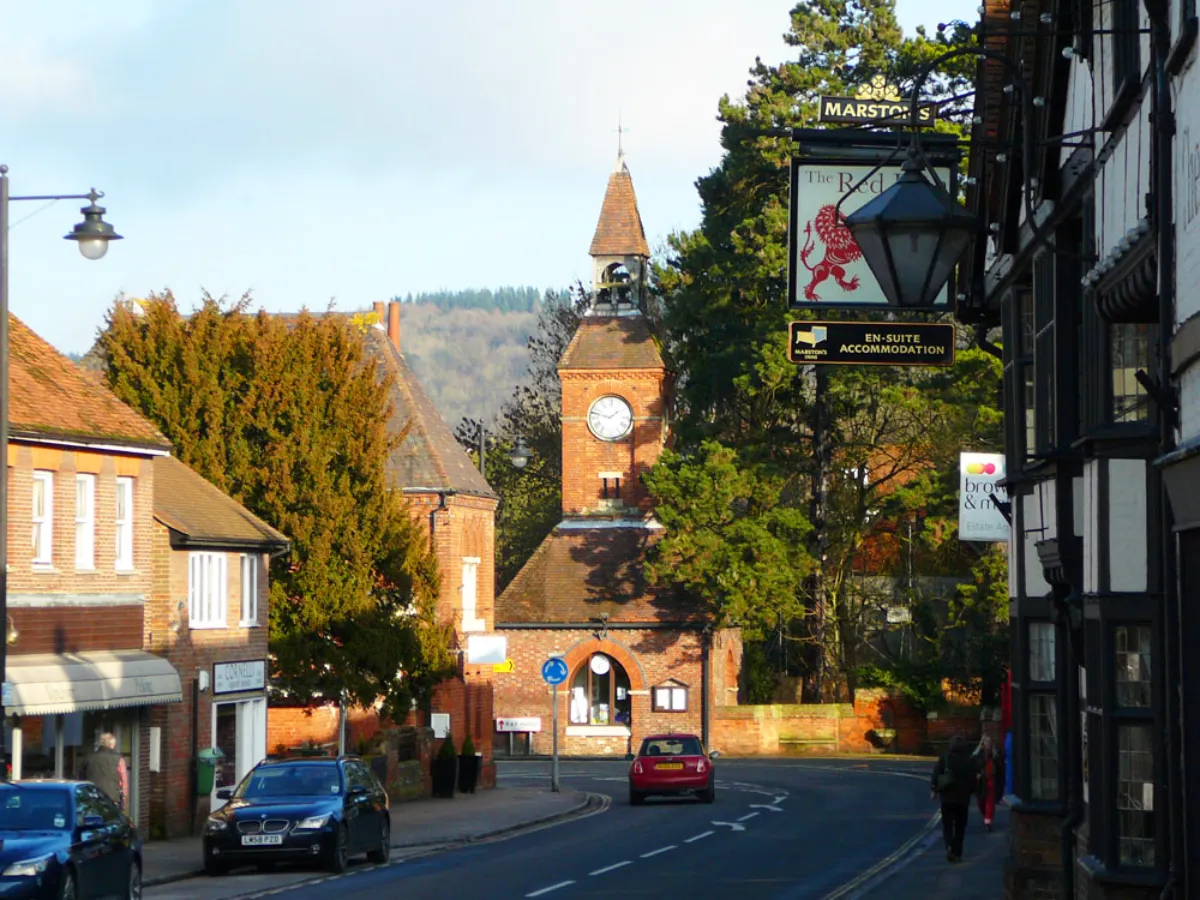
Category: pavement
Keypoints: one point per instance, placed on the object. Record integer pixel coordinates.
(416, 824)
(925, 875)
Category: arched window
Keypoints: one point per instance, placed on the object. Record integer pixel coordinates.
(600, 693)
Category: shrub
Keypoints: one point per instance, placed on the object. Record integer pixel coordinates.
(446, 751)
(468, 747)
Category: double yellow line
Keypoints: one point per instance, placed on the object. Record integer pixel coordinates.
(887, 862)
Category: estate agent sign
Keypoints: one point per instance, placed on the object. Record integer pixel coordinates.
(979, 519)
(871, 343)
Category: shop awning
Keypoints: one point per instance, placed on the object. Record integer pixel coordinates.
(51, 683)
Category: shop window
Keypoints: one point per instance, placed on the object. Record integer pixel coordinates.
(670, 697)
(207, 590)
(1043, 747)
(1135, 795)
(249, 589)
(1129, 351)
(43, 518)
(85, 521)
(1041, 651)
(124, 524)
(600, 693)
(1044, 365)
(1132, 646)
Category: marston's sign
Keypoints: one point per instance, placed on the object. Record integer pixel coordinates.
(877, 103)
(871, 343)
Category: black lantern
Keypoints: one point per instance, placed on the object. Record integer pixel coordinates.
(912, 236)
(93, 233)
(520, 454)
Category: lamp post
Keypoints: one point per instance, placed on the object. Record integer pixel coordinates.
(92, 235)
(519, 455)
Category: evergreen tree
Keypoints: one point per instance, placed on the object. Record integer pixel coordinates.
(285, 415)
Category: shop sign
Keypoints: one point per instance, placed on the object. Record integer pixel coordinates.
(877, 103)
(245, 675)
(825, 265)
(871, 343)
(979, 518)
(519, 724)
(483, 649)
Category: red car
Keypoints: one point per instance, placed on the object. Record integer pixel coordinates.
(672, 764)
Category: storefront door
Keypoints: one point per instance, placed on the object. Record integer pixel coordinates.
(239, 731)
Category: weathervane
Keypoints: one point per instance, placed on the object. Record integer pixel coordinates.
(621, 129)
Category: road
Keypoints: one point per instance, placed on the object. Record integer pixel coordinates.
(779, 829)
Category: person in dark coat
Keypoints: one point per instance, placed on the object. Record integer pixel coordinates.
(105, 768)
(990, 763)
(954, 781)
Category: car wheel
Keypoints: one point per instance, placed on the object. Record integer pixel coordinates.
(134, 891)
(66, 887)
(709, 794)
(340, 857)
(636, 798)
(380, 855)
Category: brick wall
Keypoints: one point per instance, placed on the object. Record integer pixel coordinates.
(166, 633)
(70, 629)
(1034, 866)
(649, 658)
(584, 457)
(289, 727)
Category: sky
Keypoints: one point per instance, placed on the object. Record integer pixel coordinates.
(311, 152)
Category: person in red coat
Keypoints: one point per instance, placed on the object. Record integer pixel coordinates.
(990, 763)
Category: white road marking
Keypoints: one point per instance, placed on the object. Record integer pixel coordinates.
(610, 868)
(779, 799)
(733, 826)
(659, 850)
(769, 806)
(702, 834)
(747, 816)
(553, 887)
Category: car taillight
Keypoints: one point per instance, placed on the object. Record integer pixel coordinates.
(637, 767)
(701, 767)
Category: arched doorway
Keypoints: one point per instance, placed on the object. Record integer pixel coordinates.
(600, 693)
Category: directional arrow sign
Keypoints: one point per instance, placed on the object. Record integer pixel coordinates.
(733, 826)
(766, 806)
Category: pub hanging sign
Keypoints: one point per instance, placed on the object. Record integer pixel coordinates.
(877, 103)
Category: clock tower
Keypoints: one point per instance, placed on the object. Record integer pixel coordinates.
(614, 383)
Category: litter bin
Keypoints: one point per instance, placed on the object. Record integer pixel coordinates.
(206, 769)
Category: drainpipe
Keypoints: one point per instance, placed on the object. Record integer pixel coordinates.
(1163, 119)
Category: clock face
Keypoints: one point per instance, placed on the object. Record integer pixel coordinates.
(610, 418)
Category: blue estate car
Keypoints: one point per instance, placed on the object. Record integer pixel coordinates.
(320, 810)
(67, 841)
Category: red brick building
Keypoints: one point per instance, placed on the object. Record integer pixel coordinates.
(641, 660)
(208, 615)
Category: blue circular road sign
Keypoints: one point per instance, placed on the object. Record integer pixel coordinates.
(554, 670)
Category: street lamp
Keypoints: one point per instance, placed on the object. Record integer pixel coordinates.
(519, 455)
(92, 235)
(912, 236)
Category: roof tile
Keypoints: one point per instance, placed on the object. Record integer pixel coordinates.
(612, 342)
(619, 231)
(190, 504)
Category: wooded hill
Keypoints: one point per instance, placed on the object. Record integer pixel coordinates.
(469, 347)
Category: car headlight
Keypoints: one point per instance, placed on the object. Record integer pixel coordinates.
(312, 823)
(27, 868)
(214, 825)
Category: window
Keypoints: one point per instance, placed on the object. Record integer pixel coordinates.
(470, 594)
(1044, 355)
(611, 489)
(1018, 374)
(124, 524)
(1041, 651)
(43, 518)
(249, 589)
(1043, 747)
(207, 594)
(1129, 350)
(1132, 645)
(1135, 795)
(671, 697)
(85, 521)
(600, 693)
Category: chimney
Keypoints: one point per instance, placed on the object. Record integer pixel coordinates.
(393, 324)
(380, 308)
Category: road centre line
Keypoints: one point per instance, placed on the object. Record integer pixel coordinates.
(611, 868)
(659, 850)
(553, 887)
(697, 837)
(747, 816)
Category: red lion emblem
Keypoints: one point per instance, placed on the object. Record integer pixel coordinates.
(840, 250)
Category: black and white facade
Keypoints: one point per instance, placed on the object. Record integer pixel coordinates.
(1076, 189)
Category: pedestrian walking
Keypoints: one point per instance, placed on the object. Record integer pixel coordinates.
(990, 763)
(954, 782)
(105, 768)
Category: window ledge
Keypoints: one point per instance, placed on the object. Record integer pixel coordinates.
(252, 624)
(126, 572)
(44, 568)
(598, 731)
(206, 626)
(1098, 873)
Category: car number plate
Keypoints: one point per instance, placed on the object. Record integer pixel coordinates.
(662, 766)
(259, 840)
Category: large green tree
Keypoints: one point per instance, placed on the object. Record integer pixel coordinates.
(840, 445)
(287, 416)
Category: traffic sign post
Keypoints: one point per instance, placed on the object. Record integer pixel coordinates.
(554, 673)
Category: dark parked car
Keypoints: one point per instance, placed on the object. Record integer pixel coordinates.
(320, 810)
(67, 841)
